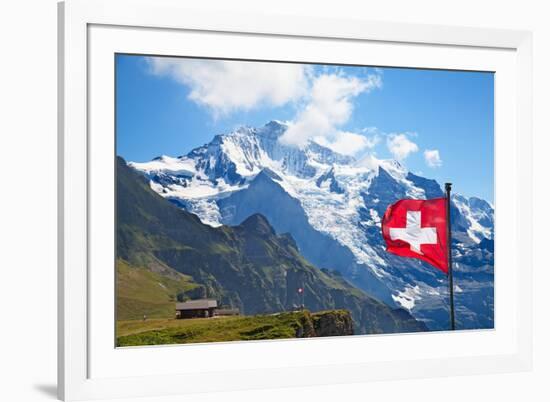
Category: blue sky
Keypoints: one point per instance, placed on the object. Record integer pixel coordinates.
(437, 123)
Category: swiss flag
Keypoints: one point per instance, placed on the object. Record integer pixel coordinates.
(418, 229)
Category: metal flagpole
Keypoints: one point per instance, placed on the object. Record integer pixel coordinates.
(449, 255)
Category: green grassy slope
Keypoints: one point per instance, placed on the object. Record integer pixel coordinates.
(141, 291)
(299, 324)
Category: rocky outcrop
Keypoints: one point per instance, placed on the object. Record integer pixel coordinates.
(333, 323)
(325, 323)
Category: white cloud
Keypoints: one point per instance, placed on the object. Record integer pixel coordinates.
(432, 158)
(347, 143)
(369, 161)
(371, 131)
(227, 86)
(400, 146)
(326, 98)
(328, 107)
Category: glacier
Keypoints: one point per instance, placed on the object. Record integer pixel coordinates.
(332, 206)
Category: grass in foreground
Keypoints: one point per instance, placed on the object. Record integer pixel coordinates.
(143, 292)
(299, 324)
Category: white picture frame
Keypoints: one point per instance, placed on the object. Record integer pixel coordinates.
(89, 365)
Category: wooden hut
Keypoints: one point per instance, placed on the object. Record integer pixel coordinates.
(202, 308)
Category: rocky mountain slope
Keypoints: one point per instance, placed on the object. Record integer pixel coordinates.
(332, 204)
(248, 266)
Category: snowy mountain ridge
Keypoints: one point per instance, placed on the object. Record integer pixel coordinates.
(337, 199)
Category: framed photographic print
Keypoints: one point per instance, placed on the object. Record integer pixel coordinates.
(341, 196)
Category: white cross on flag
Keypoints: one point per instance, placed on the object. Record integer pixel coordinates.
(418, 229)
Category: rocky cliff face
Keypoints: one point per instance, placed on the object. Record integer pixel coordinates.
(325, 323)
(333, 323)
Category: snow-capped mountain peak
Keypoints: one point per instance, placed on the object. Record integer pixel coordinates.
(330, 203)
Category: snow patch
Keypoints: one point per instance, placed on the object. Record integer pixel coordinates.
(408, 297)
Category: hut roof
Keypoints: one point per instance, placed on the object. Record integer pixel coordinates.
(197, 304)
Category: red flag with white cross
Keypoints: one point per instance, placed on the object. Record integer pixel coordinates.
(418, 229)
